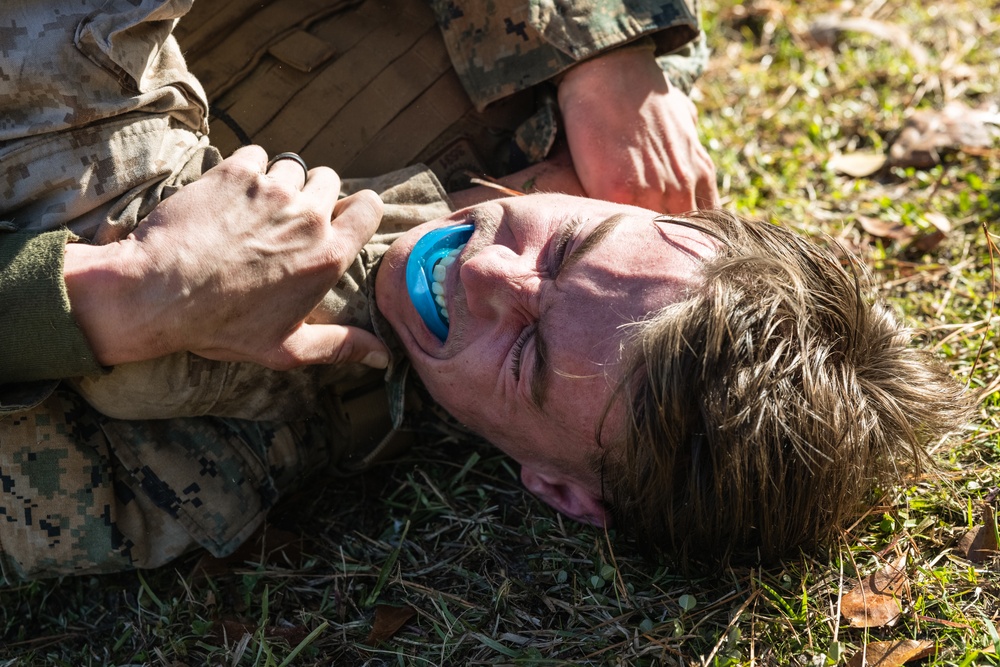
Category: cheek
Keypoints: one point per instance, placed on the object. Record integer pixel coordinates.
(456, 390)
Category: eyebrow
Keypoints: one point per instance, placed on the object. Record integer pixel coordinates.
(541, 372)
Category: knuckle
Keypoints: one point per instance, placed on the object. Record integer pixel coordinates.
(322, 171)
(371, 200)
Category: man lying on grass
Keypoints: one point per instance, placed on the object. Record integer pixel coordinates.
(716, 386)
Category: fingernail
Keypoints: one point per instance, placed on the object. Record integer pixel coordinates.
(376, 359)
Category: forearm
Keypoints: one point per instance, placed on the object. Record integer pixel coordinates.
(555, 174)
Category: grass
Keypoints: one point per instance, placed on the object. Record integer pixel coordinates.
(493, 577)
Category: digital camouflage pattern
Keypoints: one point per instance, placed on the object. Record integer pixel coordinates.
(84, 493)
(504, 46)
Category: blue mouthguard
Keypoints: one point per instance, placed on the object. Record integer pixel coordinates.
(428, 251)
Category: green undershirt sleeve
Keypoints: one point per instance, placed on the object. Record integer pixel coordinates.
(40, 338)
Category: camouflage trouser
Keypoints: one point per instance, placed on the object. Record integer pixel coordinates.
(76, 498)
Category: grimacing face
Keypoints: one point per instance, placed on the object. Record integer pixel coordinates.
(537, 301)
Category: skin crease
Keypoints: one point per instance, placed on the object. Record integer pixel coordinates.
(501, 286)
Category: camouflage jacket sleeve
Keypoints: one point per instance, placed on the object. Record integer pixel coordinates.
(40, 337)
(504, 46)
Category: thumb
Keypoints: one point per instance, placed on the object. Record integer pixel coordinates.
(329, 344)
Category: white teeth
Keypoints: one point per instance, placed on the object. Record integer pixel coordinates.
(438, 274)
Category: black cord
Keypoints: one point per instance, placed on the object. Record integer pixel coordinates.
(231, 123)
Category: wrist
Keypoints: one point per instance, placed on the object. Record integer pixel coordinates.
(102, 284)
(641, 51)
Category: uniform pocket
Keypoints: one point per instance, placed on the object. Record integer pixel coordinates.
(203, 472)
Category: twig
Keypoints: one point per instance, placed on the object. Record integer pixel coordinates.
(725, 633)
(991, 246)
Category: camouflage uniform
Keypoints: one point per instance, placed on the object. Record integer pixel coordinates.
(503, 47)
(100, 119)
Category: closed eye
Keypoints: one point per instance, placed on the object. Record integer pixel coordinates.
(518, 347)
(516, 350)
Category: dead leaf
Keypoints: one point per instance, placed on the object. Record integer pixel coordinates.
(857, 165)
(827, 29)
(957, 126)
(885, 229)
(980, 544)
(388, 621)
(891, 654)
(927, 242)
(873, 603)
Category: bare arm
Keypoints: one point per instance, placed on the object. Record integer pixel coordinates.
(633, 136)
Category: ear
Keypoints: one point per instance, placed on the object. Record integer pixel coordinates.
(568, 496)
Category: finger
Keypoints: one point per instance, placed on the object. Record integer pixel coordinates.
(288, 171)
(707, 194)
(253, 157)
(321, 191)
(329, 344)
(359, 200)
(323, 182)
(706, 189)
(355, 219)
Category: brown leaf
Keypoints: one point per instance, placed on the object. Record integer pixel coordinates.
(886, 230)
(873, 603)
(388, 621)
(956, 126)
(857, 165)
(827, 29)
(980, 544)
(927, 242)
(891, 654)
(279, 547)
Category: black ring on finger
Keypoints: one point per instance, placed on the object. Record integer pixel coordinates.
(289, 156)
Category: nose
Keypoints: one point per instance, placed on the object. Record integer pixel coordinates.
(500, 285)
